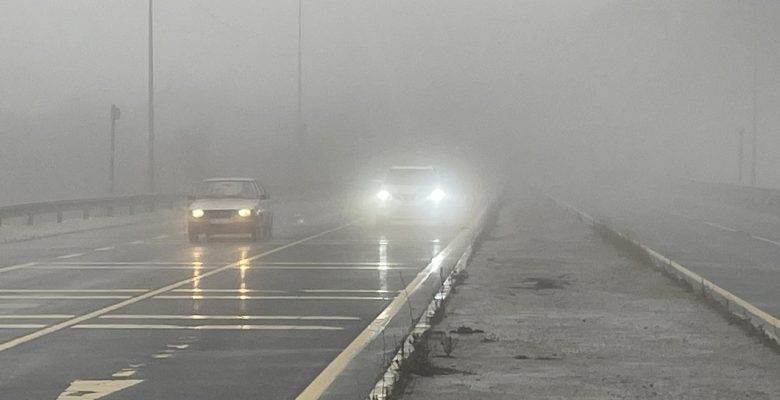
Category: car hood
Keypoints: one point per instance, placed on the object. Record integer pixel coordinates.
(224, 204)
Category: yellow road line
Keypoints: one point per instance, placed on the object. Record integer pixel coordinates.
(105, 310)
(211, 327)
(231, 317)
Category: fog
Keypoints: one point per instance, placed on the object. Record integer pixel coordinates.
(538, 91)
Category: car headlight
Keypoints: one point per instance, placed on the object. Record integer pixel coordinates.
(437, 195)
(244, 212)
(198, 213)
(383, 195)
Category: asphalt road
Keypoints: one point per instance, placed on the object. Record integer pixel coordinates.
(136, 312)
(733, 247)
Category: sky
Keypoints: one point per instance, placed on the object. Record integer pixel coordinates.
(544, 89)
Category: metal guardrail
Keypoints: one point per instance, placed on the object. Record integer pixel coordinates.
(148, 202)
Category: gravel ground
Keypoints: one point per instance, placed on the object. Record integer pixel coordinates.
(565, 316)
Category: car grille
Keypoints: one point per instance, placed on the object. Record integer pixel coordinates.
(220, 213)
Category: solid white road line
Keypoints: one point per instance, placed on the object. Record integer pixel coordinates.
(232, 317)
(105, 310)
(242, 297)
(22, 326)
(719, 226)
(765, 240)
(211, 327)
(37, 316)
(107, 248)
(62, 297)
(73, 290)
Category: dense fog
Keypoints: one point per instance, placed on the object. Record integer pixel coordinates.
(541, 91)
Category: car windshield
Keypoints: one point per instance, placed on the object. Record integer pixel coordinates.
(411, 177)
(227, 189)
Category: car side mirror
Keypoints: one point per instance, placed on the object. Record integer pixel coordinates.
(265, 196)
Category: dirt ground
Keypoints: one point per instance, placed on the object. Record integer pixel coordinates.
(557, 313)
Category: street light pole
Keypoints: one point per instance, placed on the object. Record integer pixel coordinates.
(299, 116)
(740, 155)
(151, 166)
(755, 95)
(114, 117)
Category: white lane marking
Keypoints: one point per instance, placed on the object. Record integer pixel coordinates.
(161, 237)
(211, 327)
(37, 316)
(343, 268)
(124, 373)
(349, 291)
(94, 389)
(22, 326)
(274, 263)
(14, 267)
(765, 240)
(105, 310)
(227, 291)
(111, 267)
(137, 242)
(62, 297)
(232, 317)
(242, 297)
(719, 226)
(73, 290)
(67, 256)
(107, 248)
(131, 263)
(162, 355)
(177, 346)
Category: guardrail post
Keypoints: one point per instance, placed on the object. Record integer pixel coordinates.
(30, 219)
(59, 217)
(86, 213)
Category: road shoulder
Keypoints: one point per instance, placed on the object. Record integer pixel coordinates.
(559, 313)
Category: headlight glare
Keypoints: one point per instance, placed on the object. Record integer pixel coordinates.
(198, 213)
(383, 195)
(244, 212)
(437, 195)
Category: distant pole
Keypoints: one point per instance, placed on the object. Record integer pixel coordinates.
(299, 117)
(151, 166)
(114, 117)
(740, 155)
(755, 96)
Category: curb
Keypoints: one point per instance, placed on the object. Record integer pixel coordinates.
(762, 321)
(388, 383)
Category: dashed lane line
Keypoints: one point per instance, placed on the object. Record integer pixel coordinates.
(105, 310)
(95, 389)
(67, 256)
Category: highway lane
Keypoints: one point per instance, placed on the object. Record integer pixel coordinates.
(735, 248)
(257, 328)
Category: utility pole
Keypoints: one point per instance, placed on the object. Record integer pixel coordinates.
(740, 155)
(755, 94)
(299, 117)
(115, 113)
(151, 167)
